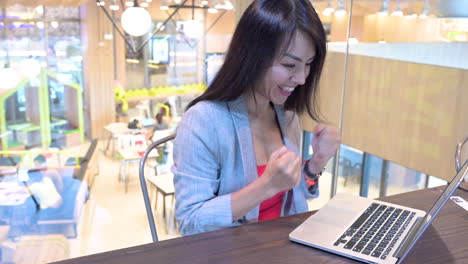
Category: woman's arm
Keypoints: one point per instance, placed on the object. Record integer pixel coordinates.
(325, 142)
(197, 167)
(282, 173)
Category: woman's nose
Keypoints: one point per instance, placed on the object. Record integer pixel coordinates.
(299, 76)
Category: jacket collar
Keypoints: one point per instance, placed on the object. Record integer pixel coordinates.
(240, 117)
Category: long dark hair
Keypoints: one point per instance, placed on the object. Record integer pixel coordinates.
(260, 36)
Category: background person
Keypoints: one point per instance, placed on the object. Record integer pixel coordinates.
(236, 151)
(45, 184)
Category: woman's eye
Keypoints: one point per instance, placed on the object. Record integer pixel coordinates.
(308, 64)
(289, 65)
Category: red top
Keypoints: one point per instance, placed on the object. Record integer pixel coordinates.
(270, 208)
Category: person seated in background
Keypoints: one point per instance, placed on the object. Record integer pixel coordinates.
(45, 184)
(40, 163)
(160, 122)
(135, 124)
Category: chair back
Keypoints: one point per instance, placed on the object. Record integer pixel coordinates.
(458, 153)
(144, 188)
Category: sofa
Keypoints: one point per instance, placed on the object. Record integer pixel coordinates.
(27, 219)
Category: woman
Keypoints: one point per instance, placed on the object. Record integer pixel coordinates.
(236, 151)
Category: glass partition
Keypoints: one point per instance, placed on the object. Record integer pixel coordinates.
(35, 43)
(396, 69)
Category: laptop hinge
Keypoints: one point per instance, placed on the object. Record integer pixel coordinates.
(404, 246)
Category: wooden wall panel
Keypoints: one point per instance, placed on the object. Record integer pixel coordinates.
(98, 69)
(406, 112)
(412, 114)
(330, 91)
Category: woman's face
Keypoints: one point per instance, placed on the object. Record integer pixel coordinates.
(289, 70)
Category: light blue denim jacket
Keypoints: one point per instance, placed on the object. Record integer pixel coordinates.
(214, 157)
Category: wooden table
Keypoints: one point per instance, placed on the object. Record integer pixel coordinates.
(127, 156)
(114, 130)
(446, 241)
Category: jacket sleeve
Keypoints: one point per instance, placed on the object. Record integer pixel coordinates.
(196, 174)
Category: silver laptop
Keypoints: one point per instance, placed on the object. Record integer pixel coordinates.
(367, 230)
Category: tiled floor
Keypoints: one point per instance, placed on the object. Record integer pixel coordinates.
(113, 219)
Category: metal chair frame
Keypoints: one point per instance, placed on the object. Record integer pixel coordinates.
(144, 188)
(458, 152)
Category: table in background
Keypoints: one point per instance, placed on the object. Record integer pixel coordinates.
(267, 242)
(129, 155)
(114, 130)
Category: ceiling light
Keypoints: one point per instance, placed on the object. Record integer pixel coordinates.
(39, 10)
(227, 5)
(398, 11)
(164, 5)
(40, 24)
(340, 11)
(329, 10)
(129, 3)
(144, 4)
(114, 7)
(425, 11)
(411, 15)
(193, 29)
(384, 9)
(136, 21)
(134, 61)
(212, 10)
(54, 24)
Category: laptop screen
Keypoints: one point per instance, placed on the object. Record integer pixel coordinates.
(427, 220)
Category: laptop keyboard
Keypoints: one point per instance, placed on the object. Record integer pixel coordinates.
(376, 231)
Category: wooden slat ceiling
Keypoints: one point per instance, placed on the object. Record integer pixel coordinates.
(361, 7)
(5, 3)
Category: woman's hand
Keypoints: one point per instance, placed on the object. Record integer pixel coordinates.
(283, 171)
(325, 143)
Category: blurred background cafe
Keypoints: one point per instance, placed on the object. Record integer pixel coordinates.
(86, 85)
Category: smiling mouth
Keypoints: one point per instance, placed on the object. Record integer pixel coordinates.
(288, 89)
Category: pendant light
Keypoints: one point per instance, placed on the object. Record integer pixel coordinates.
(136, 21)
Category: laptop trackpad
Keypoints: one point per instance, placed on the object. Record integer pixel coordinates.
(334, 216)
